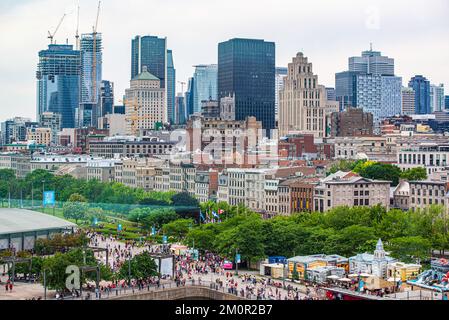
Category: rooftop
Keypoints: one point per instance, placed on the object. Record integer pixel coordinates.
(21, 220)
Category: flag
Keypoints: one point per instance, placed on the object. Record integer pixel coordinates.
(215, 215)
(153, 231)
(220, 211)
(202, 216)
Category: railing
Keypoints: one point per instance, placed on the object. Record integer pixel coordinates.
(131, 291)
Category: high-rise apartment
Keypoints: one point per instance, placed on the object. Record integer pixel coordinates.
(58, 82)
(436, 97)
(246, 70)
(408, 101)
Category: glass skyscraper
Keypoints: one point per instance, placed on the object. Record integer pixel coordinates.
(422, 94)
(171, 87)
(370, 84)
(152, 52)
(205, 78)
(189, 102)
(246, 69)
(91, 76)
(58, 82)
(106, 98)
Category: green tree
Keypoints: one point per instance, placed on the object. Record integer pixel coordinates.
(184, 199)
(410, 249)
(159, 217)
(76, 208)
(178, 228)
(142, 267)
(414, 174)
(382, 171)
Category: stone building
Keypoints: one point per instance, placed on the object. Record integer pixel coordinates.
(303, 105)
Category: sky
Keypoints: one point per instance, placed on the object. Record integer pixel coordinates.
(413, 32)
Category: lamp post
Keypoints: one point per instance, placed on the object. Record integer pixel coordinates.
(236, 262)
(43, 200)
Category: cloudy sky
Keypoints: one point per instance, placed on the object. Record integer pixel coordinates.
(414, 32)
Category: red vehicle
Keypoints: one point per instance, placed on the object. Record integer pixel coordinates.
(228, 265)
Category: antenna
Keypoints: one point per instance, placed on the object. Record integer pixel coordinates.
(77, 36)
(371, 46)
(94, 55)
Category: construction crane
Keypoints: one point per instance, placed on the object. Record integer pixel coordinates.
(77, 36)
(94, 57)
(52, 36)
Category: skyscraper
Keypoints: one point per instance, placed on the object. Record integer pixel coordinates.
(281, 73)
(371, 85)
(246, 69)
(345, 89)
(106, 98)
(151, 52)
(190, 97)
(422, 94)
(408, 101)
(372, 62)
(58, 82)
(436, 97)
(171, 87)
(446, 102)
(303, 105)
(91, 76)
(180, 109)
(144, 103)
(205, 78)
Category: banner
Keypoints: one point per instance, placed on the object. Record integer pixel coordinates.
(49, 198)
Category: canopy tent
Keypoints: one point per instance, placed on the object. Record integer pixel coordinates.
(344, 280)
(333, 277)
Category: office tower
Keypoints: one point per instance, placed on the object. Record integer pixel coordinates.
(171, 87)
(91, 76)
(446, 102)
(144, 103)
(106, 98)
(331, 94)
(53, 121)
(436, 98)
(58, 82)
(372, 62)
(15, 130)
(408, 101)
(151, 52)
(371, 85)
(180, 109)
(190, 97)
(280, 74)
(205, 78)
(422, 94)
(246, 69)
(345, 89)
(303, 105)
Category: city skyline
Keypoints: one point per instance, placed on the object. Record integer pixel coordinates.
(394, 29)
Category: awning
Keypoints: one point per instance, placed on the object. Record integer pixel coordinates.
(333, 277)
(344, 280)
